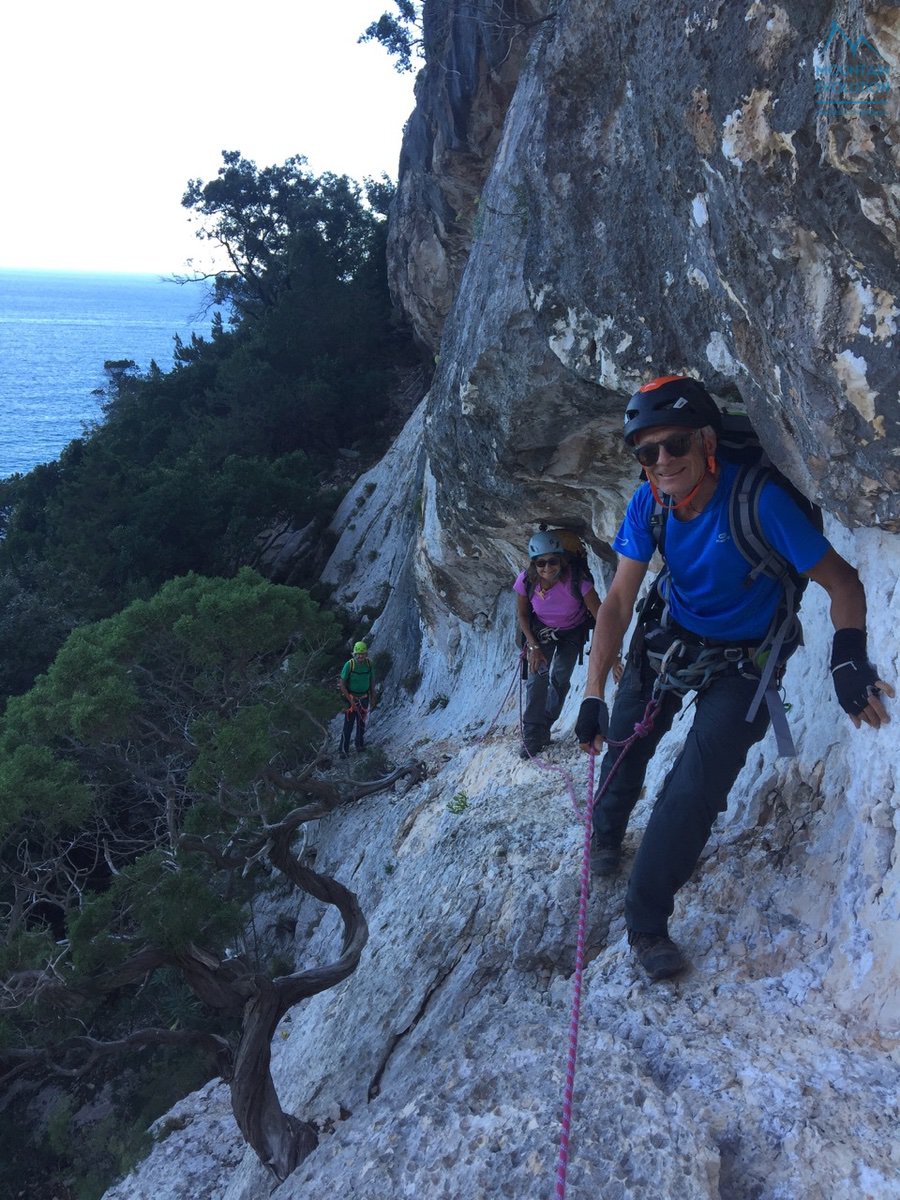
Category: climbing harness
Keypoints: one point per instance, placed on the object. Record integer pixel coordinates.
(641, 729)
(684, 667)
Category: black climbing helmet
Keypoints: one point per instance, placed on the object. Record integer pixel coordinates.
(671, 400)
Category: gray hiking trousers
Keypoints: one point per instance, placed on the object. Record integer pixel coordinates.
(546, 691)
(694, 792)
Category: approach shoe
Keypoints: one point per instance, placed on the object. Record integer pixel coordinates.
(657, 954)
(605, 858)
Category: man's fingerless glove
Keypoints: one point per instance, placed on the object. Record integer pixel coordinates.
(593, 718)
(853, 675)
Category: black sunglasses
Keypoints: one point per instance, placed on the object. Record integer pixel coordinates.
(675, 446)
(546, 562)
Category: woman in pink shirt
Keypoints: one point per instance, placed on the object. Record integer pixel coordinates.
(556, 611)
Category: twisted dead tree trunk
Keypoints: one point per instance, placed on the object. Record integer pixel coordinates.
(280, 1140)
(231, 985)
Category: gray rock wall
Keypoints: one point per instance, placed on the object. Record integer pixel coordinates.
(667, 195)
(475, 52)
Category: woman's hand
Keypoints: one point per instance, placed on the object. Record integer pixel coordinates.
(536, 658)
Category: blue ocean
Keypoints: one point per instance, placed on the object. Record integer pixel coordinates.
(57, 330)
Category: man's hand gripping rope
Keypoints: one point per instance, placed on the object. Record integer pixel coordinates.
(592, 725)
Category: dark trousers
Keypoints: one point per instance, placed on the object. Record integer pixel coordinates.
(546, 691)
(356, 715)
(694, 792)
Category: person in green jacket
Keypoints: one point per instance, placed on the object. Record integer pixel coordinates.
(356, 684)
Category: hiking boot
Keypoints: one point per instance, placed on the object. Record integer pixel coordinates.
(605, 858)
(532, 745)
(657, 954)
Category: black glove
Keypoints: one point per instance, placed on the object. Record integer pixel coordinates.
(593, 718)
(853, 675)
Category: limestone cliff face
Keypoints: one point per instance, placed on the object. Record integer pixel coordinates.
(475, 52)
(668, 194)
(661, 194)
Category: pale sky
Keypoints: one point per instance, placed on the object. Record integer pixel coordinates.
(109, 107)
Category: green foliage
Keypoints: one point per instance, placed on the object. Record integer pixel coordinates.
(412, 681)
(39, 607)
(192, 470)
(78, 1157)
(400, 34)
(275, 222)
(458, 804)
(151, 725)
(33, 781)
(177, 703)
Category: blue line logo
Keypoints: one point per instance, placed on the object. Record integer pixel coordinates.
(860, 82)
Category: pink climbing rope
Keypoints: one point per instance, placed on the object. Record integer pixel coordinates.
(642, 728)
(545, 764)
(563, 1160)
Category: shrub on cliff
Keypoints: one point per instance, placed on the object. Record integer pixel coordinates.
(152, 781)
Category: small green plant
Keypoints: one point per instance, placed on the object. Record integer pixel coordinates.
(369, 488)
(458, 804)
(412, 680)
(389, 868)
(439, 701)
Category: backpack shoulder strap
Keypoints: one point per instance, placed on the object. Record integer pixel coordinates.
(658, 521)
(746, 527)
(577, 576)
(748, 535)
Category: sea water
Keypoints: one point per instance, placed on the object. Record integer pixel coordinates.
(57, 330)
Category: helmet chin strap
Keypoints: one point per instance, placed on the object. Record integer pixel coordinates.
(657, 496)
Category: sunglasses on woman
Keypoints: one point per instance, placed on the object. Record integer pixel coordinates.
(540, 563)
(675, 446)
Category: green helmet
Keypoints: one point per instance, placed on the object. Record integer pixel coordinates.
(360, 648)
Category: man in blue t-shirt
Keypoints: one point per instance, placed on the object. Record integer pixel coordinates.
(672, 424)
